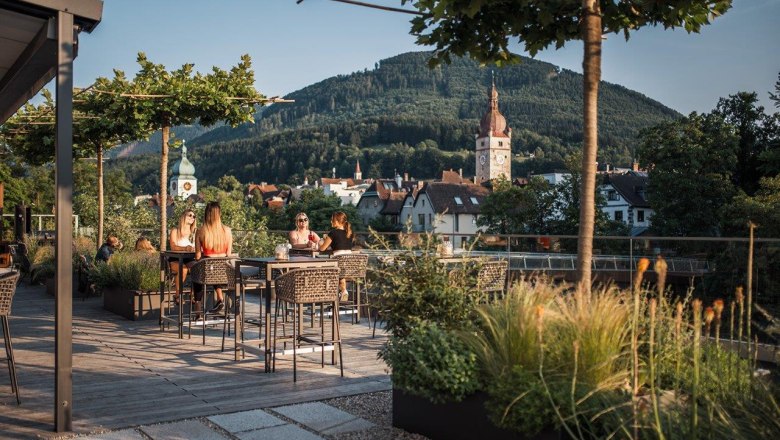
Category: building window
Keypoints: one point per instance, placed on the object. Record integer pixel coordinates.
(458, 201)
(457, 223)
(423, 202)
(463, 242)
(640, 215)
(612, 195)
(376, 202)
(483, 143)
(430, 219)
(618, 216)
(474, 201)
(500, 143)
(421, 219)
(474, 219)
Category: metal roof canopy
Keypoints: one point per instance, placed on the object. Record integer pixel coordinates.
(38, 41)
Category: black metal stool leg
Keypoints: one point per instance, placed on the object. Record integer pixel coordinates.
(9, 350)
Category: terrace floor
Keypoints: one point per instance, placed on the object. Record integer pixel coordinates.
(128, 373)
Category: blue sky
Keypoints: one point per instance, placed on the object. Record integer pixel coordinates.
(294, 45)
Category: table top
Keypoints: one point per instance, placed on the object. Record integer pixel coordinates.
(305, 252)
(178, 253)
(292, 259)
(6, 270)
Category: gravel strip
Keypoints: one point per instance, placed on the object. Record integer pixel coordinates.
(377, 408)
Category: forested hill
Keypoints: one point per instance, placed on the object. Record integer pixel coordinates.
(404, 116)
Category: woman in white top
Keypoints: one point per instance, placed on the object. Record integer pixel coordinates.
(302, 237)
(180, 239)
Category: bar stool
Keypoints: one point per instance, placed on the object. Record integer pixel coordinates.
(352, 267)
(492, 277)
(7, 290)
(212, 272)
(309, 286)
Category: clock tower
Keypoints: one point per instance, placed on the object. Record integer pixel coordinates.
(183, 181)
(494, 152)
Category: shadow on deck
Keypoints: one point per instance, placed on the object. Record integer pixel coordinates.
(128, 373)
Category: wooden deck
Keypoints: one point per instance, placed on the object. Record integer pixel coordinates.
(127, 373)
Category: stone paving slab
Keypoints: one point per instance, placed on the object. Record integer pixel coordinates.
(183, 430)
(323, 418)
(282, 432)
(246, 421)
(125, 434)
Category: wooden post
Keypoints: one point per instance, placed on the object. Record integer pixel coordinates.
(63, 251)
(2, 195)
(750, 283)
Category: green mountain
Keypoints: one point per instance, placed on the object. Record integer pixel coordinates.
(402, 116)
(152, 145)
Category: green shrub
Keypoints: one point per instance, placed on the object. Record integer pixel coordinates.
(433, 363)
(129, 270)
(416, 287)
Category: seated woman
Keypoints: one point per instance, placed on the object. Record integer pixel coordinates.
(213, 239)
(108, 248)
(180, 239)
(302, 237)
(144, 245)
(339, 240)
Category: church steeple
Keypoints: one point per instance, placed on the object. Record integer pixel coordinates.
(493, 122)
(358, 174)
(493, 147)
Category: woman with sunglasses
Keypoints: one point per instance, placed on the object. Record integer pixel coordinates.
(180, 239)
(302, 237)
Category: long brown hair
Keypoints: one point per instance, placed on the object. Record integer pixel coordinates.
(212, 232)
(183, 223)
(340, 217)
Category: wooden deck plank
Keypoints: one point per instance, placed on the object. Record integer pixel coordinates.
(128, 373)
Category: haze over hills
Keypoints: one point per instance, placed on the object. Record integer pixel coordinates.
(402, 116)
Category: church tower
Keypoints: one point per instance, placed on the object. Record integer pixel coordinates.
(183, 181)
(494, 152)
(358, 175)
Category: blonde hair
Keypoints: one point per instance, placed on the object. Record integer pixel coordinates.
(212, 233)
(143, 244)
(183, 224)
(340, 217)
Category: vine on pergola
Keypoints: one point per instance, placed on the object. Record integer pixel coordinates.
(118, 110)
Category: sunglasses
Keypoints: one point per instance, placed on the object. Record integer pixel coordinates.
(302, 220)
(191, 215)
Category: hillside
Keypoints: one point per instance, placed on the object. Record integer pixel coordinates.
(152, 145)
(404, 116)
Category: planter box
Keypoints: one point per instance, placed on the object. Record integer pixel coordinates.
(132, 304)
(453, 420)
(49, 283)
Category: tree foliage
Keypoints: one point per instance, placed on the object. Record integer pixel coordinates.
(167, 98)
(691, 164)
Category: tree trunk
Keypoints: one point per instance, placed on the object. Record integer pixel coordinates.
(101, 205)
(591, 67)
(166, 131)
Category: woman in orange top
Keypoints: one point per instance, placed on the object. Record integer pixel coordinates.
(214, 239)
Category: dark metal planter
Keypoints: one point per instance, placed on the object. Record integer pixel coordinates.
(453, 420)
(132, 304)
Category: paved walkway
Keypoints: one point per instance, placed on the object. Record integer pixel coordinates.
(305, 421)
